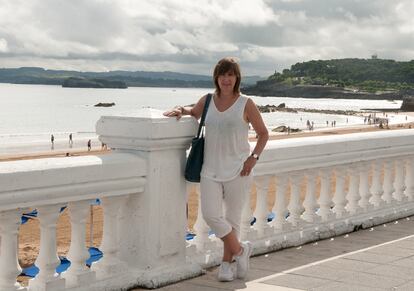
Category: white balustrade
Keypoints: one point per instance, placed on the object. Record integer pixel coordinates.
(325, 199)
(339, 197)
(9, 266)
(295, 206)
(261, 212)
(388, 181)
(364, 190)
(246, 231)
(399, 184)
(409, 179)
(310, 202)
(201, 240)
(353, 195)
(376, 187)
(145, 246)
(47, 261)
(78, 274)
(110, 264)
(280, 210)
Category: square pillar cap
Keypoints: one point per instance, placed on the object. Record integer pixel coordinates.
(146, 129)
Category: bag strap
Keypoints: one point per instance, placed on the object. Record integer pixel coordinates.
(203, 116)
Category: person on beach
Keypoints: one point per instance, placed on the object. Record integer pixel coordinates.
(228, 163)
(52, 140)
(89, 145)
(70, 140)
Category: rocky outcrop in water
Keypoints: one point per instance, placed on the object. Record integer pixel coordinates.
(284, 128)
(408, 103)
(101, 104)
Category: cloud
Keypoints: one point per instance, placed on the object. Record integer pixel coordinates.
(190, 36)
(3, 45)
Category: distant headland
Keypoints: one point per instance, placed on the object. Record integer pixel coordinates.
(93, 83)
(341, 78)
(338, 78)
(111, 79)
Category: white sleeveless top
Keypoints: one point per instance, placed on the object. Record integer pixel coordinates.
(226, 141)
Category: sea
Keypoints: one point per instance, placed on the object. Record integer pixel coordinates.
(29, 114)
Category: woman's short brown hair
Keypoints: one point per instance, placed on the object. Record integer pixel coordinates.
(226, 65)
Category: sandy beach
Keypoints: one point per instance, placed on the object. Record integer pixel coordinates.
(29, 235)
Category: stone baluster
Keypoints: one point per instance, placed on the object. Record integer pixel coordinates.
(9, 266)
(47, 261)
(399, 184)
(409, 179)
(310, 202)
(279, 208)
(110, 265)
(388, 182)
(246, 231)
(339, 196)
(325, 200)
(376, 186)
(78, 274)
(261, 211)
(201, 240)
(353, 191)
(364, 191)
(295, 207)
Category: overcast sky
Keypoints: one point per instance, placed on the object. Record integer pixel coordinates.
(191, 35)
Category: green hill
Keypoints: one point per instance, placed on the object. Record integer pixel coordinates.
(341, 78)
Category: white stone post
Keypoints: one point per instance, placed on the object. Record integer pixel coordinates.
(279, 208)
(353, 191)
(364, 191)
(310, 202)
(261, 212)
(325, 200)
(376, 186)
(409, 179)
(47, 261)
(388, 182)
(9, 265)
(295, 206)
(339, 196)
(78, 274)
(155, 246)
(399, 180)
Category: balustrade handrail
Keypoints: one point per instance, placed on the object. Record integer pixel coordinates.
(36, 182)
(315, 152)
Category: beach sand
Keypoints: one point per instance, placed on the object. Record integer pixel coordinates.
(29, 234)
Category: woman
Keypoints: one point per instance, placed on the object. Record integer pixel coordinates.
(228, 162)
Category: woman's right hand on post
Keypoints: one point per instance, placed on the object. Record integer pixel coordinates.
(176, 111)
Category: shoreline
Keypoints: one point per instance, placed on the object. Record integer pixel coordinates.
(50, 154)
(272, 136)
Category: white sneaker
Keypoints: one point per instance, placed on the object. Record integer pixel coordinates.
(225, 274)
(243, 260)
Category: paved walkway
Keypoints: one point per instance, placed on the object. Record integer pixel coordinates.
(380, 258)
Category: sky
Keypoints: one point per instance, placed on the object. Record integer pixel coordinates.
(190, 36)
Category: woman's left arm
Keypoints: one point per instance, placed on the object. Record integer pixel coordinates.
(252, 115)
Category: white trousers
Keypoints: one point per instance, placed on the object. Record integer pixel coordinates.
(222, 203)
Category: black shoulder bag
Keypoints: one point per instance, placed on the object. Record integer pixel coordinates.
(196, 155)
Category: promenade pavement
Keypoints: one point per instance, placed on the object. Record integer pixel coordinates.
(380, 258)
